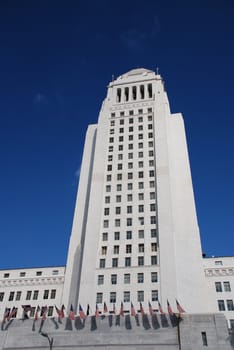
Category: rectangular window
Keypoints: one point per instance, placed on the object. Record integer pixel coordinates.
(154, 295)
(130, 155)
(107, 199)
(140, 260)
(117, 222)
(204, 339)
(141, 208)
(116, 249)
(218, 286)
(130, 146)
(130, 137)
(130, 120)
(109, 167)
(140, 295)
(129, 221)
(227, 287)
(111, 139)
(140, 136)
(150, 126)
(99, 298)
(151, 153)
(46, 294)
(221, 305)
(126, 297)
(150, 144)
(130, 176)
(112, 121)
(140, 145)
(127, 279)
(153, 233)
(150, 135)
(108, 188)
(18, 295)
(116, 234)
(140, 185)
(129, 235)
(140, 154)
(154, 260)
(110, 158)
(121, 122)
(230, 305)
(141, 164)
(127, 261)
(32, 312)
(130, 165)
(119, 166)
(102, 263)
(11, 296)
(141, 221)
(154, 277)
(114, 279)
(151, 173)
(22, 274)
(140, 278)
(140, 119)
(114, 262)
(106, 211)
(120, 156)
(106, 223)
(153, 219)
(152, 195)
(140, 233)
(141, 248)
(121, 130)
(104, 250)
(141, 196)
(35, 294)
(50, 310)
(153, 247)
(112, 297)
(120, 147)
(140, 127)
(1, 296)
(152, 207)
(105, 236)
(129, 209)
(128, 248)
(118, 210)
(110, 149)
(100, 279)
(119, 187)
(130, 186)
(129, 197)
(118, 198)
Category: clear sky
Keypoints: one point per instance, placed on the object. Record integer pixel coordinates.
(56, 60)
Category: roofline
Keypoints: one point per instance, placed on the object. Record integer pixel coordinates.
(32, 268)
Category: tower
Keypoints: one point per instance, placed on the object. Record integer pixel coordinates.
(135, 236)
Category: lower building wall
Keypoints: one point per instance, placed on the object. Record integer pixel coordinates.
(159, 332)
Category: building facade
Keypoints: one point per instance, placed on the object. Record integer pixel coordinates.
(135, 236)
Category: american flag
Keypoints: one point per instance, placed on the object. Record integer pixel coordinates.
(81, 312)
(121, 311)
(169, 309)
(26, 309)
(114, 311)
(97, 311)
(71, 314)
(105, 308)
(151, 309)
(133, 312)
(12, 313)
(60, 312)
(142, 309)
(44, 312)
(160, 308)
(6, 313)
(37, 313)
(179, 307)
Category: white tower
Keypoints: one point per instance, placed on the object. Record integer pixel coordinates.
(135, 235)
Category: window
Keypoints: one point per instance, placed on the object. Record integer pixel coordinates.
(130, 112)
(140, 185)
(130, 165)
(112, 297)
(140, 295)
(114, 279)
(116, 249)
(107, 199)
(104, 250)
(219, 263)
(99, 298)
(153, 247)
(115, 262)
(121, 122)
(130, 120)
(112, 121)
(126, 297)
(106, 211)
(105, 236)
(117, 222)
(120, 156)
(150, 135)
(130, 155)
(204, 339)
(106, 223)
(110, 149)
(140, 278)
(140, 196)
(120, 147)
(130, 137)
(141, 208)
(140, 127)
(129, 197)
(154, 277)
(153, 260)
(130, 129)
(140, 137)
(118, 210)
(110, 158)
(153, 233)
(32, 312)
(128, 248)
(111, 139)
(221, 305)
(119, 187)
(108, 188)
(230, 305)
(35, 294)
(152, 207)
(127, 261)
(140, 260)
(129, 209)
(140, 154)
(121, 130)
(153, 219)
(120, 166)
(46, 294)
(53, 294)
(11, 296)
(102, 263)
(141, 220)
(134, 92)
(151, 153)
(140, 233)
(140, 111)
(130, 176)
(130, 146)
(118, 198)
(50, 310)
(151, 173)
(129, 221)
(152, 195)
(22, 274)
(108, 178)
(130, 186)
(150, 126)
(149, 110)
(150, 144)
(141, 248)
(218, 286)
(18, 295)
(140, 145)
(127, 278)
(129, 235)
(100, 279)
(1, 296)
(154, 295)
(227, 287)
(140, 164)
(119, 177)
(116, 236)
(149, 87)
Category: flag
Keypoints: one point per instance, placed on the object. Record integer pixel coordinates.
(179, 307)
(38, 309)
(97, 311)
(151, 309)
(81, 312)
(114, 311)
(26, 309)
(160, 308)
(71, 314)
(60, 312)
(133, 312)
(6, 314)
(121, 312)
(169, 309)
(87, 312)
(12, 313)
(142, 309)
(105, 308)
(44, 312)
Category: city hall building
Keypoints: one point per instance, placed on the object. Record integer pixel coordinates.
(135, 240)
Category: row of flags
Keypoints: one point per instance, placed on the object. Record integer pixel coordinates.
(42, 311)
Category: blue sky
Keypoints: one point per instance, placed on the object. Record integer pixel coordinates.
(56, 60)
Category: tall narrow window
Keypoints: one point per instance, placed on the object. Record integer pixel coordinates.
(118, 95)
(142, 92)
(126, 94)
(134, 92)
(150, 90)
(204, 339)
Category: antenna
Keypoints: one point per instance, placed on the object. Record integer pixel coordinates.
(113, 77)
(157, 70)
